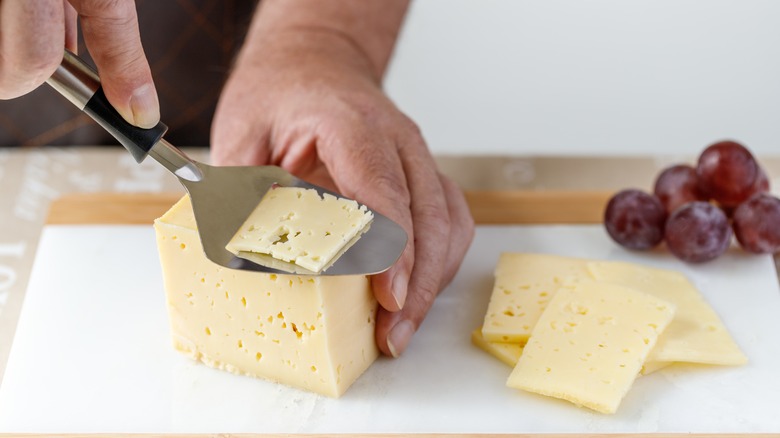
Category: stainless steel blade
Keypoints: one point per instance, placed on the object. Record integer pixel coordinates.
(223, 197)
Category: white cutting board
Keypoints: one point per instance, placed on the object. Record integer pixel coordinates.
(92, 354)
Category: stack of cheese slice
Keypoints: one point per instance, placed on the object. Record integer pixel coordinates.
(583, 330)
(311, 332)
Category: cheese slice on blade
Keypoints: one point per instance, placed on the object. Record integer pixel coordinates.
(298, 226)
(314, 333)
(524, 284)
(696, 335)
(590, 343)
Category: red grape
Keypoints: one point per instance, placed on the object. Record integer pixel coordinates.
(697, 232)
(727, 173)
(762, 182)
(635, 219)
(760, 186)
(757, 224)
(677, 185)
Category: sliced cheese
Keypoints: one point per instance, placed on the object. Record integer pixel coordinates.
(590, 343)
(696, 335)
(524, 284)
(315, 333)
(298, 226)
(505, 352)
(509, 353)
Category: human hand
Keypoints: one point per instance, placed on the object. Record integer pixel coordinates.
(36, 32)
(312, 105)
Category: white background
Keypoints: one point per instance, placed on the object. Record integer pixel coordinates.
(560, 77)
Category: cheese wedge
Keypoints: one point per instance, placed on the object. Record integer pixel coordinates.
(314, 333)
(590, 343)
(524, 284)
(696, 335)
(298, 226)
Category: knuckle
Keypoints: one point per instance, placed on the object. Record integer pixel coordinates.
(412, 127)
(468, 225)
(128, 59)
(427, 290)
(106, 9)
(379, 180)
(390, 184)
(434, 216)
(22, 73)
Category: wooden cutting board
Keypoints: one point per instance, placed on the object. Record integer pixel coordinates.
(487, 208)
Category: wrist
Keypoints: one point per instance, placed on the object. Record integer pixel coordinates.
(299, 46)
(358, 32)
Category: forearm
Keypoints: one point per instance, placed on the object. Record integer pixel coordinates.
(369, 28)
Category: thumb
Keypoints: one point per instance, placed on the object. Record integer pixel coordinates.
(111, 33)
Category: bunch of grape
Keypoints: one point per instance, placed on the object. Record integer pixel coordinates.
(695, 209)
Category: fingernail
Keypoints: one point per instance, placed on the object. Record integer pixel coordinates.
(399, 337)
(146, 108)
(400, 286)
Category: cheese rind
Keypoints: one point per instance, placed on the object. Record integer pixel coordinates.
(314, 333)
(524, 284)
(298, 226)
(590, 343)
(696, 334)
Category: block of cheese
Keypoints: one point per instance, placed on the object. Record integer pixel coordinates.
(506, 352)
(314, 333)
(590, 343)
(524, 284)
(696, 335)
(298, 226)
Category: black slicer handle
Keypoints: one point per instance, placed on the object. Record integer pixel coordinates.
(80, 84)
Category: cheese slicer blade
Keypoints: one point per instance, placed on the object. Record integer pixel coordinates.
(222, 197)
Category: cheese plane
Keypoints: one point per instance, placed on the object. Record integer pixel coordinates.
(224, 197)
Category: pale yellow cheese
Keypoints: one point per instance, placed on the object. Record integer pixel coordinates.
(650, 366)
(506, 352)
(315, 333)
(696, 335)
(509, 353)
(524, 284)
(590, 343)
(298, 226)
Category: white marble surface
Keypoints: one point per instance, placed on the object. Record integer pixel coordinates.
(92, 354)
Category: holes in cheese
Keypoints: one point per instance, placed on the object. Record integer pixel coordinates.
(696, 335)
(583, 361)
(271, 326)
(296, 227)
(524, 285)
(517, 309)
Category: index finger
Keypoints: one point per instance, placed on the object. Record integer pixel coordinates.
(111, 33)
(368, 169)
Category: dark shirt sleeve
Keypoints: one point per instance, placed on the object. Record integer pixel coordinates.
(190, 46)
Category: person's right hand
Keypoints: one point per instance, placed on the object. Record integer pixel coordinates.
(36, 32)
(307, 100)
